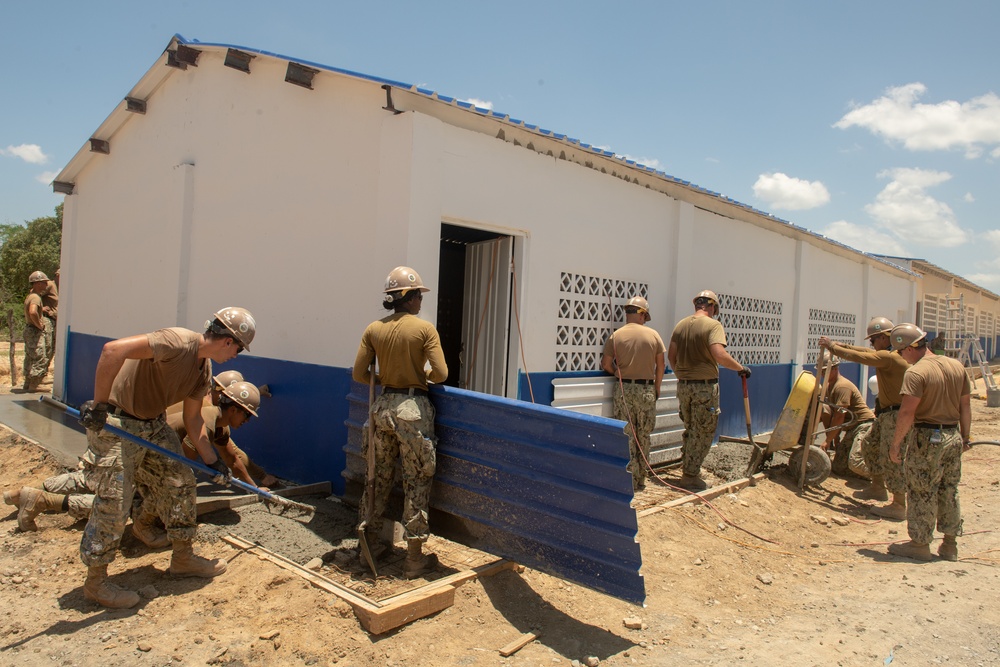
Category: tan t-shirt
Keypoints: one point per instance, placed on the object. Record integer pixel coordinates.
(218, 436)
(403, 343)
(634, 348)
(694, 337)
(32, 299)
(845, 394)
(939, 382)
(889, 369)
(50, 298)
(145, 387)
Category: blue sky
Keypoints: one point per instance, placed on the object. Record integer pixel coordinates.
(875, 123)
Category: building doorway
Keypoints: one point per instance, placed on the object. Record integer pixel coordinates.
(474, 308)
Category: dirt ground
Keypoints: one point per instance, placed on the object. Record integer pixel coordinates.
(763, 576)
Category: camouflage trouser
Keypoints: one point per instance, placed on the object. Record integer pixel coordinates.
(79, 485)
(637, 407)
(933, 470)
(255, 471)
(50, 340)
(36, 355)
(168, 487)
(404, 429)
(880, 464)
(699, 408)
(855, 458)
(853, 436)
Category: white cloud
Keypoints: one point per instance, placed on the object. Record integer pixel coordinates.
(794, 194)
(482, 104)
(968, 198)
(973, 126)
(905, 210)
(46, 177)
(864, 238)
(31, 153)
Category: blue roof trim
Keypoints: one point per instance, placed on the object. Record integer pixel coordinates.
(562, 137)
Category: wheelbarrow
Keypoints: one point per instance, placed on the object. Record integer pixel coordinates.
(798, 417)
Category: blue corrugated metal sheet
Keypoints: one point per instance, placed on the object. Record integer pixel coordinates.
(544, 487)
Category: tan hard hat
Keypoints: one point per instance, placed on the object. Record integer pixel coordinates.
(905, 335)
(878, 325)
(707, 294)
(245, 395)
(402, 279)
(641, 304)
(38, 277)
(238, 322)
(226, 378)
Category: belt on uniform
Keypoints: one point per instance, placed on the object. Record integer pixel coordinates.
(879, 409)
(712, 381)
(940, 427)
(639, 381)
(412, 391)
(118, 412)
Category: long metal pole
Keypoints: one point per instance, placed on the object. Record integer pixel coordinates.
(197, 465)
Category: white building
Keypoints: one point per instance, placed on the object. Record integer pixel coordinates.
(230, 176)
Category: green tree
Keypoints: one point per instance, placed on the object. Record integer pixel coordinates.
(34, 246)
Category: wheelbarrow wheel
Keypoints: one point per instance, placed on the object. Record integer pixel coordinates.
(817, 466)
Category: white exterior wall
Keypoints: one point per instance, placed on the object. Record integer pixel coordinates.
(237, 189)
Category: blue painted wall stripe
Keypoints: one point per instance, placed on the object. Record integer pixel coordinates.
(300, 432)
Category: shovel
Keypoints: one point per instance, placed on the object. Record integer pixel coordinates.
(370, 478)
(758, 451)
(197, 466)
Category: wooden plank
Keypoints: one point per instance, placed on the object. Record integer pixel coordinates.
(519, 643)
(453, 580)
(349, 596)
(710, 494)
(316, 489)
(205, 505)
(383, 619)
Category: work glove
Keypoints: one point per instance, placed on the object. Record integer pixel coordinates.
(224, 473)
(745, 373)
(94, 415)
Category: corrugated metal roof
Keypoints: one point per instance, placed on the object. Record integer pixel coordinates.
(543, 487)
(151, 81)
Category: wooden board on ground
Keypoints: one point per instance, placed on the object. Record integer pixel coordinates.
(380, 616)
(223, 501)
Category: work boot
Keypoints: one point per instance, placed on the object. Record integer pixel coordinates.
(691, 482)
(97, 588)
(896, 510)
(911, 549)
(949, 548)
(146, 531)
(184, 563)
(12, 497)
(33, 503)
(416, 562)
(875, 490)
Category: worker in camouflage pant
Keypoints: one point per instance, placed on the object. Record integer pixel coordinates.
(404, 429)
(37, 332)
(886, 476)
(935, 417)
(697, 349)
(115, 485)
(402, 417)
(634, 355)
(136, 379)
